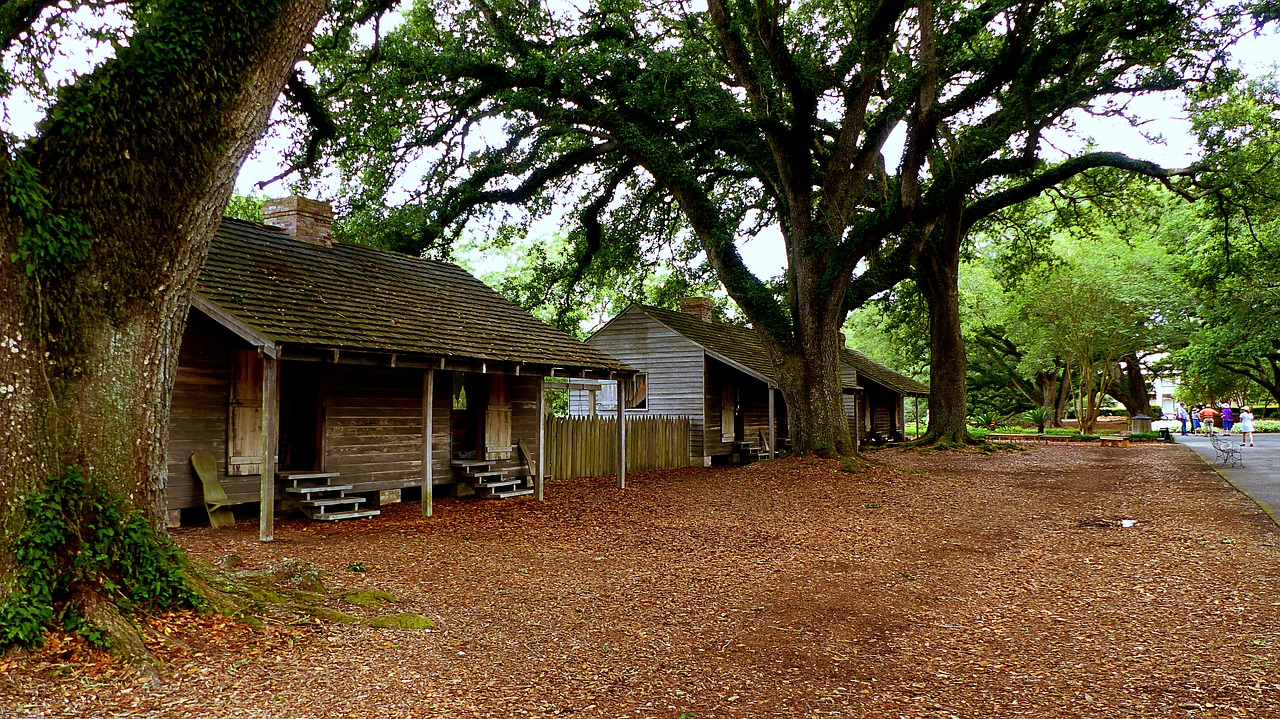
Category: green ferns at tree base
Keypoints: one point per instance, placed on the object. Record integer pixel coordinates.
(78, 537)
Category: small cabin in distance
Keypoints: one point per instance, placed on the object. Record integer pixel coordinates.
(719, 375)
(364, 369)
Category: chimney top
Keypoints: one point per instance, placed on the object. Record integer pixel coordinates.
(700, 307)
(301, 218)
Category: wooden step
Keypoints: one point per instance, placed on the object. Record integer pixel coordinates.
(482, 476)
(499, 485)
(312, 489)
(353, 514)
(295, 476)
(471, 466)
(509, 494)
(330, 501)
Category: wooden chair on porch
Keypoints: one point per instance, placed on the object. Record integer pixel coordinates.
(216, 501)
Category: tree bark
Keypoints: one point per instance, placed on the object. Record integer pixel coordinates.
(144, 151)
(939, 279)
(1129, 386)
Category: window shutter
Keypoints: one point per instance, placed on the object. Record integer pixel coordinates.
(497, 420)
(727, 398)
(244, 426)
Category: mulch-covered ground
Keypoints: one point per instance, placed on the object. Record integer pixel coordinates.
(930, 585)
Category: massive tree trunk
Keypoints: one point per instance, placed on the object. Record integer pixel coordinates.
(136, 163)
(939, 280)
(809, 377)
(1129, 385)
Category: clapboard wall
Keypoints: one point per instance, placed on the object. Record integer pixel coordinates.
(674, 366)
(373, 427)
(198, 413)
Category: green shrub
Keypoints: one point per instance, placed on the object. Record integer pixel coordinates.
(1145, 436)
(1266, 425)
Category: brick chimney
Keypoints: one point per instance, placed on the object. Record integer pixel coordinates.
(301, 218)
(700, 307)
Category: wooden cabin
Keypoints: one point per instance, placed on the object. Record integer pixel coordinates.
(358, 368)
(720, 376)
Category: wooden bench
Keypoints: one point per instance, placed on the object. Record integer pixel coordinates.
(1119, 440)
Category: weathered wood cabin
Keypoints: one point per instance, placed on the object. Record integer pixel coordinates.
(720, 376)
(371, 371)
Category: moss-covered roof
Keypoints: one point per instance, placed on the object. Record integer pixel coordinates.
(742, 345)
(352, 297)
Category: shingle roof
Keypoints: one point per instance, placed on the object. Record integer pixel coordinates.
(352, 297)
(742, 345)
(737, 343)
(869, 369)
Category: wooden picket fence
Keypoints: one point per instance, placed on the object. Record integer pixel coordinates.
(588, 446)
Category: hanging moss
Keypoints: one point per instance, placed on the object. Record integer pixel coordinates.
(77, 537)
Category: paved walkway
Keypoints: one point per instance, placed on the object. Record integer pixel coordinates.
(1259, 478)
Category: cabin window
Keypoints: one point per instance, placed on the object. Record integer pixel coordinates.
(244, 422)
(607, 397)
(638, 393)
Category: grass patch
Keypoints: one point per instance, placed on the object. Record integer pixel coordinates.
(368, 597)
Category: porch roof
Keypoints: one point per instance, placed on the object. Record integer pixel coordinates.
(742, 346)
(357, 298)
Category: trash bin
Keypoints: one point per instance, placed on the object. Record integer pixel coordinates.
(1139, 423)
(1165, 435)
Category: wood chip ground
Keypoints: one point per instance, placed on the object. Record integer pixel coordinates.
(930, 585)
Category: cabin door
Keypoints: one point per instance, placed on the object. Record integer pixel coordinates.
(730, 425)
(302, 389)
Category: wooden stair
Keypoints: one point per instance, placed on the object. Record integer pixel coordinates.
(488, 482)
(748, 452)
(322, 500)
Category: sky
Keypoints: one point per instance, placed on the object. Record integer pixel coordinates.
(764, 254)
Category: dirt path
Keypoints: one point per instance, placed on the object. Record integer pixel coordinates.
(933, 585)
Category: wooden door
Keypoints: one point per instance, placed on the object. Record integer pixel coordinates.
(728, 398)
(244, 425)
(497, 420)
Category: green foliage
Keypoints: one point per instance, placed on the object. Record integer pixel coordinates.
(990, 420)
(1266, 425)
(1038, 416)
(245, 207)
(50, 241)
(356, 567)
(77, 536)
(1145, 436)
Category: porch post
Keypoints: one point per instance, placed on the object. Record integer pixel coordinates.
(270, 438)
(857, 421)
(622, 435)
(428, 439)
(773, 428)
(540, 479)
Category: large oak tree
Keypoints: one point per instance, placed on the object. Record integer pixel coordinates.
(743, 119)
(107, 215)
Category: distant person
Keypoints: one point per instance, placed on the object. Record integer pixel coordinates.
(1226, 418)
(1183, 417)
(1195, 419)
(1246, 426)
(1208, 416)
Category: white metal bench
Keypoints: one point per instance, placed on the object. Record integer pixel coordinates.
(1228, 451)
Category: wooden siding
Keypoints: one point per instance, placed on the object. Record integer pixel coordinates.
(198, 418)
(373, 427)
(674, 366)
(588, 446)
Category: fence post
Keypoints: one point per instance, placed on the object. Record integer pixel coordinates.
(541, 477)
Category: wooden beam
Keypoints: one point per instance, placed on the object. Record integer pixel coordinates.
(622, 435)
(270, 439)
(428, 440)
(540, 479)
(234, 325)
(773, 428)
